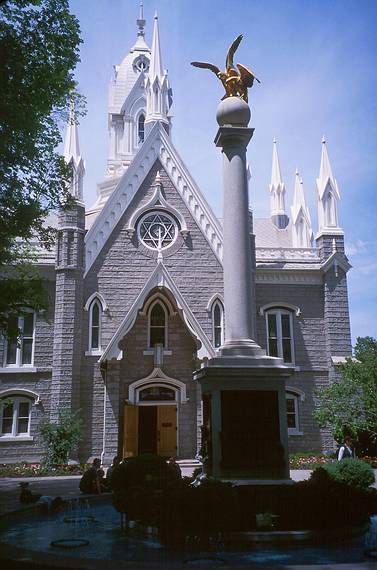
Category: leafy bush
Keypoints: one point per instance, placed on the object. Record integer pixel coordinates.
(61, 437)
(352, 472)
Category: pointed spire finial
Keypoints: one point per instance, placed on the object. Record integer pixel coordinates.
(155, 66)
(71, 143)
(140, 21)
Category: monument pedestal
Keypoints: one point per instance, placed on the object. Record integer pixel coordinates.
(245, 419)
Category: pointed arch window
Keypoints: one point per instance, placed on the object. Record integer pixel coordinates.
(330, 210)
(141, 129)
(95, 322)
(157, 325)
(217, 324)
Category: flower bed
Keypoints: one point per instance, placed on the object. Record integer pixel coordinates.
(24, 469)
(313, 460)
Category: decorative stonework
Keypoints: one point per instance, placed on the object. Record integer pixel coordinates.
(159, 146)
(286, 254)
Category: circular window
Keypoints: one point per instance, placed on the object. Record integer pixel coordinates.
(141, 63)
(157, 230)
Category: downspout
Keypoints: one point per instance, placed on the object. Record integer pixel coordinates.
(104, 413)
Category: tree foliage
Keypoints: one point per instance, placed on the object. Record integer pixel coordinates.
(349, 405)
(61, 437)
(39, 49)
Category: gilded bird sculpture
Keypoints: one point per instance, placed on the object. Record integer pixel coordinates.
(236, 83)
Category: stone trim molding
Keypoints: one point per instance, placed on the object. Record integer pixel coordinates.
(264, 308)
(296, 392)
(157, 376)
(285, 253)
(20, 392)
(158, 297)
(213, 299)
(100, 298)
(161, 278)
(156, 146)
(336, 260)
(157, 202)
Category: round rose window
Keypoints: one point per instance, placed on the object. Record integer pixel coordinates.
(157, 230)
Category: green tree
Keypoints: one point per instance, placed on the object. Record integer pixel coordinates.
(61, 437)
(349, 405)
(39, 49)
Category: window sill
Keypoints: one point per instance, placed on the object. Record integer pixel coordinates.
(18, 369)
(93, 352)
(15, 438)
(295, 432)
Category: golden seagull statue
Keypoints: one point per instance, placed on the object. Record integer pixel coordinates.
(236, 83)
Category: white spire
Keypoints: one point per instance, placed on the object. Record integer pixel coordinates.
(327, 195)
(155, 67)
(140, 44)
(72, 155)
(302, 234)
(157, 86)
(71, 143)
(277, 186)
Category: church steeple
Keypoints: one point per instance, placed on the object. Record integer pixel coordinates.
(277, 192)
(73, 157)
(302, 234)
(140, 44)
(328, 196)
(157, 86)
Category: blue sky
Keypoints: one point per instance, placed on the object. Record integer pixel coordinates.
(316, 60)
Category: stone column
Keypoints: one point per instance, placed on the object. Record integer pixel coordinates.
(233, 116)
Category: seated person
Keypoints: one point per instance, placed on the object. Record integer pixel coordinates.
(92, 479)
(26, 495)
(110, 471)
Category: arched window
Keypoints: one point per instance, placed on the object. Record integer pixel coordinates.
(141, 129)
(330, 210)
(15, 417)
(279, 325)
(20, 352)
(157, 325)
(95, 318)
(217, 324)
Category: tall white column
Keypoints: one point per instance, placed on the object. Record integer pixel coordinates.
(233, 136)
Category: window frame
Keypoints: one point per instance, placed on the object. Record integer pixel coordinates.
(139, 140)
(95, 302)
(19, 346)
(15, 401)
(296, 398)
(150, 309)
(278, 312)
(217, 303)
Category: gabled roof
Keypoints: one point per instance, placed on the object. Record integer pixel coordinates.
(161, 278)
(156, 146)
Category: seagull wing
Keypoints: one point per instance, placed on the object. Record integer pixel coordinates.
(232, 50)
(205, 65)
(247, 75)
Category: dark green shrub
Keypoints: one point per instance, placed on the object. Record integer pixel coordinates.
(352, 472)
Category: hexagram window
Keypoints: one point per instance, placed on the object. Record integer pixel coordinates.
(157, 230)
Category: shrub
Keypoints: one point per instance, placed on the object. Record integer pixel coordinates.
(352, 472)
(61, 437)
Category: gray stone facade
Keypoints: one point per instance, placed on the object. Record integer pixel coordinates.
(92, 348)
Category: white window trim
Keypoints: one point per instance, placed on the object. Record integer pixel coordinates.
(159, 378)
(16, 401)
(217, 303)
(298, 396)
(98, 350)
(18, 365)
(150, 308)
(278, 312)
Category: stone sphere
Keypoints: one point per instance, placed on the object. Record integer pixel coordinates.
(233, 111)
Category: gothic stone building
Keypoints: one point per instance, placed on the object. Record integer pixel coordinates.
(135, 291)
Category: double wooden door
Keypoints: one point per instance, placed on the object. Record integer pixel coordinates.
(150, 429)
